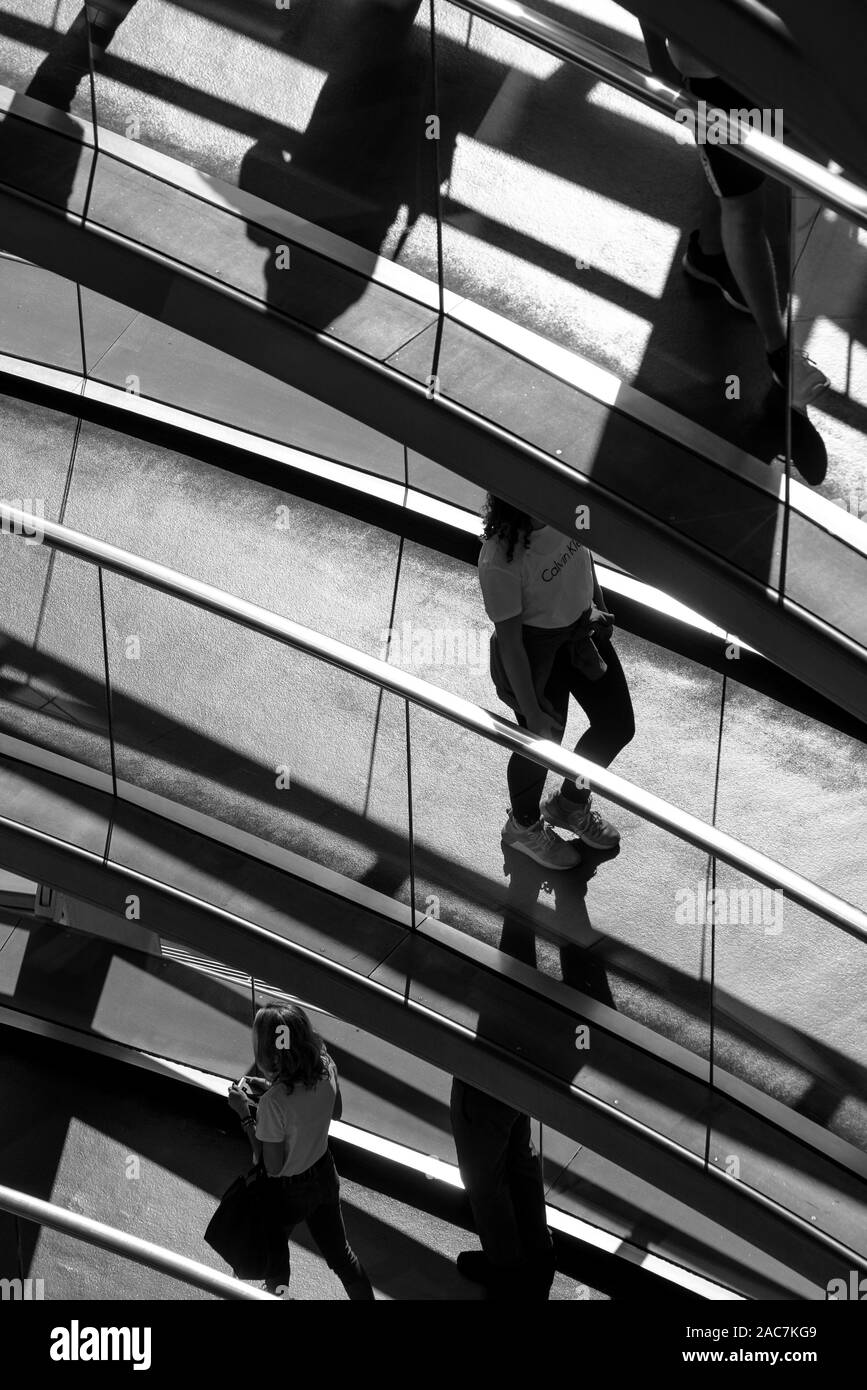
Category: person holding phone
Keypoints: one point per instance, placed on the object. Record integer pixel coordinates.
(288, 1131)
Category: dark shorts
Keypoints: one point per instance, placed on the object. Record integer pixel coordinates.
(728, 176)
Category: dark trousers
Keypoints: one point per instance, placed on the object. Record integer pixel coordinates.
(313, 1197)
(502, 1176)
(608, 706)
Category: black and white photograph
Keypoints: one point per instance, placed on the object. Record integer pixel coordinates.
(433, 675)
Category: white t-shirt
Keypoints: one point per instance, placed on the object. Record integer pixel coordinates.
(549, 583)
(300, 1120)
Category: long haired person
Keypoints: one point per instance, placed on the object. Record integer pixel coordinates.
(552, 640)
(290, 1135)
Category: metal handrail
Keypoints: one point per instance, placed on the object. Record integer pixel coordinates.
(143, 1252)
(610, 1109)
(771, 156)
(664, 814)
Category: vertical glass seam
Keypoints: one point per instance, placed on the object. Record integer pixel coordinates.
(108, 715)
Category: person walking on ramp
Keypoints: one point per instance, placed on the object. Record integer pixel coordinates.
(552, 639)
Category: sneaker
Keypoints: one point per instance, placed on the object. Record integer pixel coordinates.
(582, 820)
(713, 270)
(540, 843)
(808, 380)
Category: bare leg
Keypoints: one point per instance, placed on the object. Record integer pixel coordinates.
(749, 256)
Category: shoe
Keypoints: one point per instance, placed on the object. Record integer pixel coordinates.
(809, 452)
(541, 844)
(808, 380)
(582, 820)
(713, 270)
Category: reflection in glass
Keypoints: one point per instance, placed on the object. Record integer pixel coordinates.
(257, 736)
(52, 675)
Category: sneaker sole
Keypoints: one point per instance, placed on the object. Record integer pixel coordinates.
(585, 839)
(538, 859)
(599, 844)
(710, 280)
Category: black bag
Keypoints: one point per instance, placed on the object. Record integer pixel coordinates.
(240, 1230)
